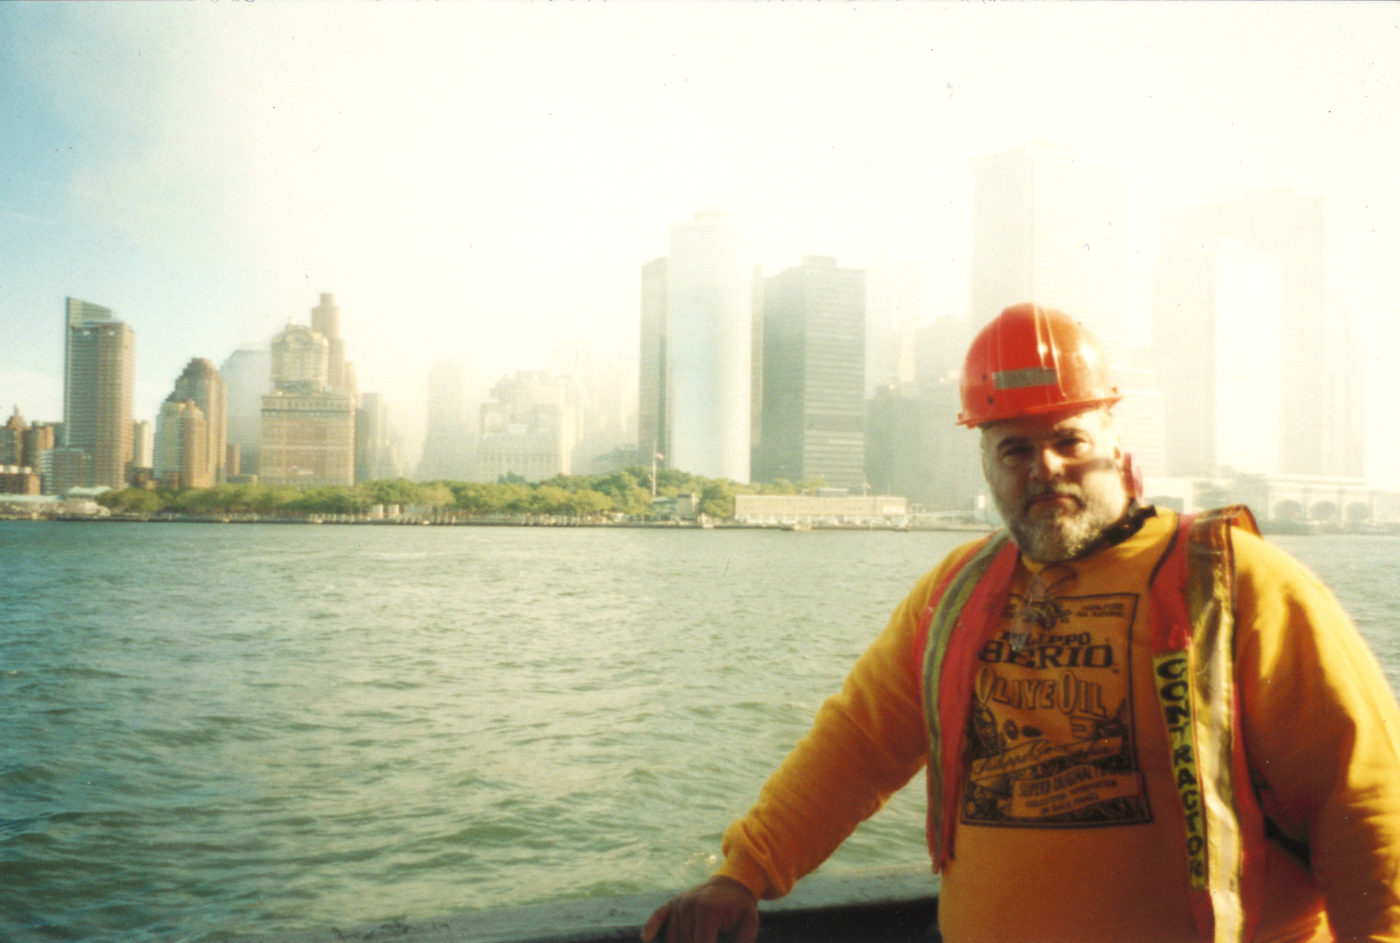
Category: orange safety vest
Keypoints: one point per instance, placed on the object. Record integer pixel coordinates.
(1191, 624)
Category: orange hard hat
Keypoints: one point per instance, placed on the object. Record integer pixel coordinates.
(1030, 360)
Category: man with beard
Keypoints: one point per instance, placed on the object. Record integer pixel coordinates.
(1137, 725)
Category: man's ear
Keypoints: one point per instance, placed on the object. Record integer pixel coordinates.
(1132, 478)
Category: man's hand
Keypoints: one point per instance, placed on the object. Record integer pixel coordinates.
(702, 913)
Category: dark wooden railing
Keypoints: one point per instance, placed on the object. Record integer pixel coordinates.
(894, 906)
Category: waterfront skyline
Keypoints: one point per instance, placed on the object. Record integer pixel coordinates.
(206, 169)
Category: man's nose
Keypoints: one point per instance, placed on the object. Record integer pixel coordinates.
(1048, 464)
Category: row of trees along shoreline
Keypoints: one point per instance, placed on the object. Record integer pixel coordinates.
(623, 495)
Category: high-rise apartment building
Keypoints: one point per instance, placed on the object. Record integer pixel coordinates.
(697, 373)
(1050, 227)
(813, 415)
(308, 427)
(98, 379)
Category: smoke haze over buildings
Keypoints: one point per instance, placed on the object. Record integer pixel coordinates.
(481, 184)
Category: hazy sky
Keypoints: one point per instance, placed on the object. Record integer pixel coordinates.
(481, 181)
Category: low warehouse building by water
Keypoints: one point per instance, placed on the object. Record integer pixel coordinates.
(832, 510)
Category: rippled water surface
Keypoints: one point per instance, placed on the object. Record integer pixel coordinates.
(218, 731)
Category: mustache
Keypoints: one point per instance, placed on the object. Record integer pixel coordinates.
(1051, 489)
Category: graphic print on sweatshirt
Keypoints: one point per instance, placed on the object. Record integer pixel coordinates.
(1051, 734)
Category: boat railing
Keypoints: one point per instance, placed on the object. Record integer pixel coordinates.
(897, 905)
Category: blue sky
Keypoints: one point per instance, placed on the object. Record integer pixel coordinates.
(482, 181)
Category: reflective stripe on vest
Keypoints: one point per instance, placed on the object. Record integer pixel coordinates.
(1191, 625)
(951, 628)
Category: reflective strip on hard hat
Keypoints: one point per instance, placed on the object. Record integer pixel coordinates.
(1024, 377)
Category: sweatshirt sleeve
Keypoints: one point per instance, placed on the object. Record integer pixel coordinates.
(1323, 737)
(866, 742)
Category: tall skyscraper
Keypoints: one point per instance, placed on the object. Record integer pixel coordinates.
(325, 320)
(1344, 396)
(1217, 322)
(894, 312)
(653, 434)
(813, 417)
(76, 314)
(1319, 400)
(201, 384)
(182, 445)
(1049, 227)
(701, 328)
(756, 366)
(1141, 418)
(98, 379)
(247, 377)
(376, 452)
(447, 442)
(308, 427)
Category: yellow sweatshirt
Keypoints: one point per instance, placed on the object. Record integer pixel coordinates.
(1066, 830)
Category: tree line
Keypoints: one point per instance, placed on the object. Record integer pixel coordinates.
(586, 497)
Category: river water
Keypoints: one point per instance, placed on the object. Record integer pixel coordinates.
(211, 732)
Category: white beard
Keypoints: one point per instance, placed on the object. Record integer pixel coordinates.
(1063, 535)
